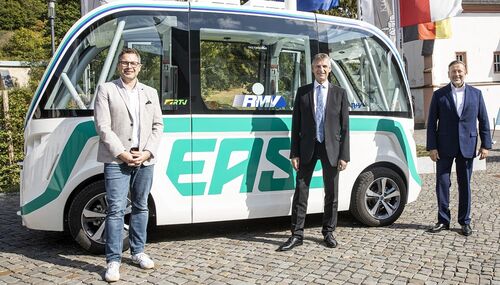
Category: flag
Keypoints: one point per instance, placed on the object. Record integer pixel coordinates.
(379, 13)
(428, 31)
(315, 5)
(414, 12)
(435, 30)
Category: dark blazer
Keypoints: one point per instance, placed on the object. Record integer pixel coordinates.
(449, 133)
(336, 125)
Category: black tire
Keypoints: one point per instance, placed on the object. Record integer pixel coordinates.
(379, 197)
(88, 230)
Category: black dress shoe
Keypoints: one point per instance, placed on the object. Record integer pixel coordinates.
(466, 230)
(330, 241)
(439, 227)
(292, 242)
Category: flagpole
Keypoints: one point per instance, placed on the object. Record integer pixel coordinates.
(359, 10)
(398, 29)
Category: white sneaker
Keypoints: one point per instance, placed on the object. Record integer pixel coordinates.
(113, 272)
(143, 260)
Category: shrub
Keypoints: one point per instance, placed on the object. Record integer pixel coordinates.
(19, 100)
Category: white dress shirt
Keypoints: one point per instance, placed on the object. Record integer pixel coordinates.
(133, 101)
(458, 97)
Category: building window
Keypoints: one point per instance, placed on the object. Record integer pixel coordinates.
(496, 62)
(462, 56)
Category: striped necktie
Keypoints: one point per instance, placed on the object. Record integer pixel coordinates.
(319, 114)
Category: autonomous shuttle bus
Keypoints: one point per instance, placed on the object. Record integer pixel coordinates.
(227, 77)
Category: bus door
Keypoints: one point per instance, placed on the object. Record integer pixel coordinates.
(247, 70)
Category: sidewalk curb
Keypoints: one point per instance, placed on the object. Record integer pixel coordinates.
(425, 165)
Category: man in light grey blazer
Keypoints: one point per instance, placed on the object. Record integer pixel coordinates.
(129, 122)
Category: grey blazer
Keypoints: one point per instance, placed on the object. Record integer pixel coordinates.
(113, 121)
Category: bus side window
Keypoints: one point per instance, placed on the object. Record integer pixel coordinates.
(366, 69)
(93, 60)
(252, 64)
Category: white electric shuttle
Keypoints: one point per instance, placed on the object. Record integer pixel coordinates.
(227, 77)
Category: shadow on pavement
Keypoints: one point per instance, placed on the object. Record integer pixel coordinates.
(56, 248)
(491, 159)
(255, 230)
(397, 225)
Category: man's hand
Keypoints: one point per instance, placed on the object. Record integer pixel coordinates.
(295, 163)
(126, 157)
(342, 165)
(483, 153)
(434, 155)
(139, 157)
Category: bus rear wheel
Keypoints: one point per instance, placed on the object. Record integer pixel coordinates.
(87, 215)
(379, 197)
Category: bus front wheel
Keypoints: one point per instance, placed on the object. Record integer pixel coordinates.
(379, 197)
(87, 215)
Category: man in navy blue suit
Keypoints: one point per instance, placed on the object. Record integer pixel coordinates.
(452, 131)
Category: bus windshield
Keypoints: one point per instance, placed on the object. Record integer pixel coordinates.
(368, 70)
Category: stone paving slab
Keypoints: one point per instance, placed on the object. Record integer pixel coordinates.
(243, 252)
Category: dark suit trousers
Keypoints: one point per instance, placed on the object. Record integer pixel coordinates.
(443, 183)
(303, 180)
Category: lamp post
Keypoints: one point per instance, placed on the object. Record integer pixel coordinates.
(52, 15)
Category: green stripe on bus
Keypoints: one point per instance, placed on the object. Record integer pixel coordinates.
(385, 125)
(86, 130)
(77, 140)
(207, 124)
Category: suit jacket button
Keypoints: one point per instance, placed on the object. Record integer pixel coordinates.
(131, 125)
(129, 140)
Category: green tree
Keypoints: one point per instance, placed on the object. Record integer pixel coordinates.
(16, 14)
(67, 13)
(27, 45)
(20, 16)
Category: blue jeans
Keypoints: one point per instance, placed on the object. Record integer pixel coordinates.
(119, 179)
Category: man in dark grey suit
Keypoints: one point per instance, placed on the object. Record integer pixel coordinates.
(320, 130)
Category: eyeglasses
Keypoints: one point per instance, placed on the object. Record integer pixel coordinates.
(131, 63)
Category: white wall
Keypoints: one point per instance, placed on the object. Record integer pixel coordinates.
(477, 34)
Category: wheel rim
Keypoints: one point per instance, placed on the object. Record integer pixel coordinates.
(94, 216)
(382, 198)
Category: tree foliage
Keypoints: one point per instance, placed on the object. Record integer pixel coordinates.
(29, 40)
(29, 20)
(346, 9)
(16, 14)
(67, 13)
(19, 100)
(27, 45)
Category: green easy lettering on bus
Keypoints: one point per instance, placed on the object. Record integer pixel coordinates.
(222, 174)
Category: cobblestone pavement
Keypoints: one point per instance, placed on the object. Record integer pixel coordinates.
(244, 251)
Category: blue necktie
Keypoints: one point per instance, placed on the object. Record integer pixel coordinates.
(320, 122)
